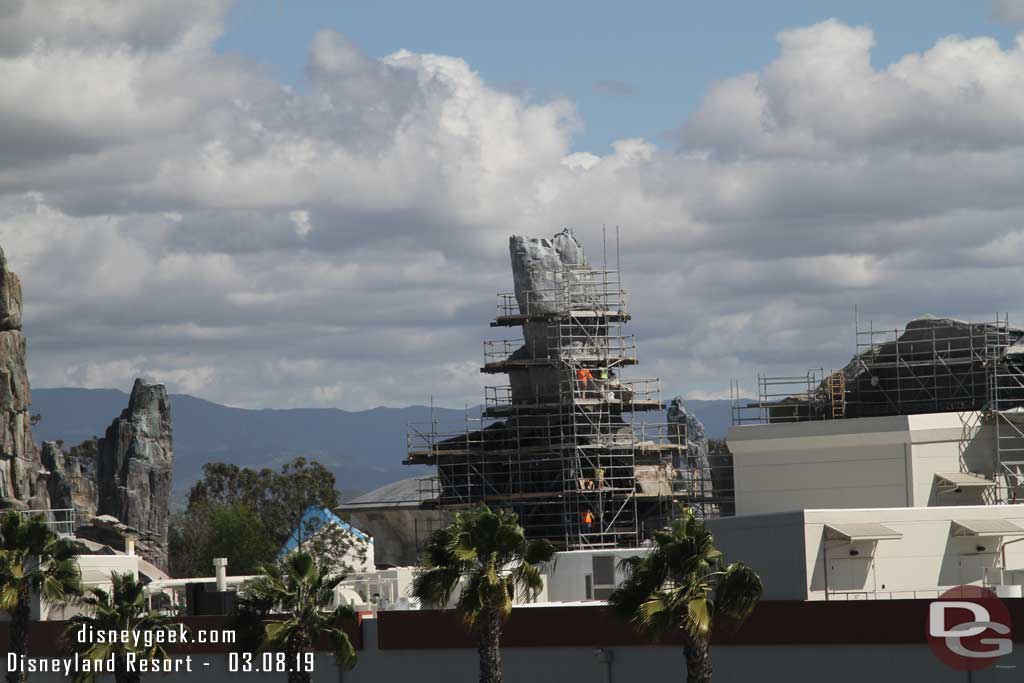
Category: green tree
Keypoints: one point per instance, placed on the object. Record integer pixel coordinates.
(302, 484)
(301, 592)
(487, 553)
(33, 560)
(233, 531)
(333, 546)
(242, 499)
(224, 484)
(239, 535)
(123, 609)
(684, 583)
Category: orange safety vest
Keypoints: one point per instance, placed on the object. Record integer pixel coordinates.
(584, 375)
(588, 517)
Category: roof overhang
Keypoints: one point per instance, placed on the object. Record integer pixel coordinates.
(860, 531)
(950, 482)
(985, 528)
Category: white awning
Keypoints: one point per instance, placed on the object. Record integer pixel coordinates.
(951, 481)
(860, 531)
(981, 528)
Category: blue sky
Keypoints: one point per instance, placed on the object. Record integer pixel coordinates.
(666, 53)
(182, 204)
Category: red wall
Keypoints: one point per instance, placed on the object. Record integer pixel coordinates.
(773, 623)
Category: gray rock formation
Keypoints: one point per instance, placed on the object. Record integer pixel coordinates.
(935, 365)
(72, 481)
(22, 478)
(126, 474)
(541, 269)
(708, 463)
(120, 484)
(542, 272)
(134, 467)
(10, 297)
(682, 424)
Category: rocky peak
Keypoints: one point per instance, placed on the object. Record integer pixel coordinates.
(22, 478)
(10, 297)
(127, 474)
(134, 466)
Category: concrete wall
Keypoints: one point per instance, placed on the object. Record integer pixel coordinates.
(567, 574)
(858, 463)
(878, 663)
(96, 569)
(772, 544)
(795, 561)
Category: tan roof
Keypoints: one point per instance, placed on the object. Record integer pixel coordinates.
(985, 527)
(963, 480)
(860, 531)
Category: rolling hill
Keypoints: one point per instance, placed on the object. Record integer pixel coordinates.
(364, 448)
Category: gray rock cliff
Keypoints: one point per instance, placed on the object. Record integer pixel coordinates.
(22, 477)
(134, 467)
(127, 474)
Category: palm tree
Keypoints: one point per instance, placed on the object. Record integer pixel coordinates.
(488, 551)
(33, 560)
(684, 583)
(303, 592)
(123, 609)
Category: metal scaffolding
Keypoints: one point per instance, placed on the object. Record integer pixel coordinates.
(562, 443)
(795, 398)
(932, 365)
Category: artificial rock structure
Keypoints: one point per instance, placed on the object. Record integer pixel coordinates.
(931, 365)
(561, 444)
(22, 483)
(117, 485)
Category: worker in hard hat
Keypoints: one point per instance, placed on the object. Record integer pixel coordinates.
(588, 520)
(585, 378)
(602, 384)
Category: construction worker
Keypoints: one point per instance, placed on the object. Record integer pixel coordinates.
(602, 384)
(588, 520)
(585, 379)
(600, 478)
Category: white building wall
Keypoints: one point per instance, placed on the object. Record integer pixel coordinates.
(567, 575)
(924, 562)
(96, 569)
(857, 463)
(773, 545)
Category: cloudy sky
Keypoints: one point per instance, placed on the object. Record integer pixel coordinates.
(277, 207)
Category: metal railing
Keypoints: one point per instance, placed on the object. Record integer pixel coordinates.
(59, 521)
(581, 290)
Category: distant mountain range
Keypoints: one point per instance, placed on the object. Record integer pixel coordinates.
(363, 448)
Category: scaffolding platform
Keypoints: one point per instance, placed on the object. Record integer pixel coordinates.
(553, 444)
(932, 365)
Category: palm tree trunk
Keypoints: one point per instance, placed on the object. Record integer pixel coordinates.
(19, 631)
(298, 646)
(122, 674)
(698, 659)
(489, 646)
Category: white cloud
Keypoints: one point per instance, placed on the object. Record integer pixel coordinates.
(176, 213)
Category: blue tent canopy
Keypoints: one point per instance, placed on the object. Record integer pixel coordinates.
(312, 521)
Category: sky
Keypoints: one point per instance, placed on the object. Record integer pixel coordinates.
(305, 204)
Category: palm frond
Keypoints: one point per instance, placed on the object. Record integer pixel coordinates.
(738, 592)
(435, 587)
(681, 583)
(538, 551)
(344, 652)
